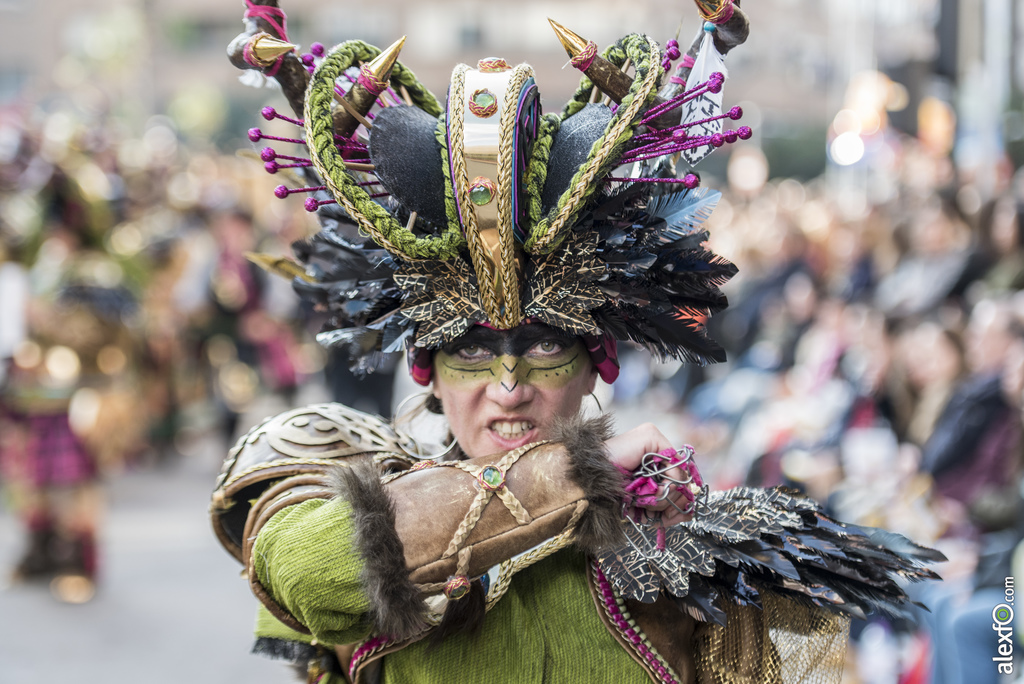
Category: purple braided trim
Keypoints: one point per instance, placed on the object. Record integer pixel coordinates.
(583, 60)
(726, 13)
(630, 631)
(247, 56)
(369, 80)
(269, 15)
(366, 649)
(619, 179)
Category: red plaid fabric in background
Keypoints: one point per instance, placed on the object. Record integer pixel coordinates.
(42, 451)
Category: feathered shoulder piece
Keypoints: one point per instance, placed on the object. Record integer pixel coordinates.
(743, 542)
(438, 215)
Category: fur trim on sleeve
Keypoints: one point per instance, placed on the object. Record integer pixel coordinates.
(397, 608)
(601, 526)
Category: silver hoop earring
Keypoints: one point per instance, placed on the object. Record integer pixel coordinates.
(418, 454)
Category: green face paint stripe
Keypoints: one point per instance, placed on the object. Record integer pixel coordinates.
(551, 368)
(460, 369)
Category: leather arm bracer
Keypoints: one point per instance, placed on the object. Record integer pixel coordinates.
(286, 459)
(432, 530)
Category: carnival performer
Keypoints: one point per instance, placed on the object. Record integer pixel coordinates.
(67, 411)
(506, 252)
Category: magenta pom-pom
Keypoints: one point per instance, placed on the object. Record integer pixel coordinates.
(271, 167)
(281, 192)
(691, 180)
(317, 49)
(717, 76)
(268, 154)
(744, 132)
(718, 140)
(310, 69)
(255, 134)
(311, 204)
(735, 113)
(730, 136)
(714, 86)
(269, 113)
(307, 59)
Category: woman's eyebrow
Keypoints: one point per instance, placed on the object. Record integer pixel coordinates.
(484, 337)
(521, 342)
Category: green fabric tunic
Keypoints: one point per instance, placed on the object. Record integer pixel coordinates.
(545, 629)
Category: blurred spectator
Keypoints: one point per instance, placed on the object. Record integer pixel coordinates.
(972, 451)
(1006, 235)
(934, 265)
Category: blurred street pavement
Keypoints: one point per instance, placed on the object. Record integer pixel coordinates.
(171, 607)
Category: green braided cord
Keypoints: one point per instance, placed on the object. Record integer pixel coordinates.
(605, 153)
(537, 169)
(370, 216)
(615, 54)
(450, 207)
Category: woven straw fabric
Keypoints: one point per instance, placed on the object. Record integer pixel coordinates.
(787, 643)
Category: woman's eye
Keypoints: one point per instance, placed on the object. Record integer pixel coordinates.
(548, 347)
(472, 351)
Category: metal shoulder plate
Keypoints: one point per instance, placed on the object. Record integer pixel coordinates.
(303, 441)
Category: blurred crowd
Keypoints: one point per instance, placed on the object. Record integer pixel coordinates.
(877, 363)
(876, 356)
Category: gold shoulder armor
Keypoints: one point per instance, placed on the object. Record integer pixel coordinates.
(302, 444)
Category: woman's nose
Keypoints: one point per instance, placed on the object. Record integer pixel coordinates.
(510, 386)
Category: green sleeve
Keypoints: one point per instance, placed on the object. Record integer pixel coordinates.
(306, 559)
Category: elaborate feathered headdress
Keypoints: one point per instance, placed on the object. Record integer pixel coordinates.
(483, 210)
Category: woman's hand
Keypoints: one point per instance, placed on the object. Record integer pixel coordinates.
(627, 451)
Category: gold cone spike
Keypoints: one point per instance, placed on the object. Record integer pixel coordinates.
(572, 42)
(358, 101)
(608, 78)
(279, 266)
(266, 49)
(383, 63)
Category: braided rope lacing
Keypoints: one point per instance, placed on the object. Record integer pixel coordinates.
(506, 221)
(460, 177)
(378, 223)
(644, 52)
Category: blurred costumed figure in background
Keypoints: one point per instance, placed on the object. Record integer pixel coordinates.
(68, 395)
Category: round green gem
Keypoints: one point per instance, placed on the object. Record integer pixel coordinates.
(492, 477)
(480, 195)
(484, 98)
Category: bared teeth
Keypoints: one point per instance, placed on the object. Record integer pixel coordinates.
(510, 429)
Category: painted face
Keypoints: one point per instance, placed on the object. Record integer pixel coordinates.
(503, 389)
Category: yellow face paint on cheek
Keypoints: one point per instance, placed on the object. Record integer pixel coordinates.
(457, 371)
(556, 371)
